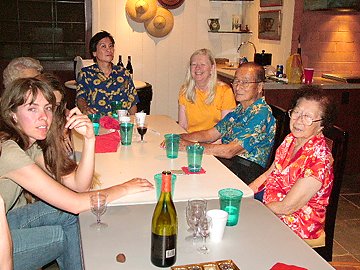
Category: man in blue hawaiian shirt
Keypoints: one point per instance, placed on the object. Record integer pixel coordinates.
(247, 133)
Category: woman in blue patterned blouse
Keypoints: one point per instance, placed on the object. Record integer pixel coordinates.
(103, 82)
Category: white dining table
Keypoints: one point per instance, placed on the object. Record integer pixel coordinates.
(147, 159)
(257, 242)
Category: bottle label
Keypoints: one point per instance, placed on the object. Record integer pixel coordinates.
(163, 250)
(170, 253)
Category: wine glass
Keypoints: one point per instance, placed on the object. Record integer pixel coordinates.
(98, 208)
(196, 208)
(192, 219)
(141, 127)
(205, 224)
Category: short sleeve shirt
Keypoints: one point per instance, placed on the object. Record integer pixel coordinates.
(202, 116)
(99, 91)
(314, 159)
(12, 157)
(253, 128)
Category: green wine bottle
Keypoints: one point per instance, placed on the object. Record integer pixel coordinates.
(164, 227)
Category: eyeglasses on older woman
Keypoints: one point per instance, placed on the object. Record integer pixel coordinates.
(307, 119)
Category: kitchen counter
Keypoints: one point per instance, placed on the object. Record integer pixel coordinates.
(346, 96)
(226, 74)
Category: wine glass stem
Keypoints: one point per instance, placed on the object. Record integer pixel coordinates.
(98, 220)
(204, 243)
(195, 232)
(142, 137)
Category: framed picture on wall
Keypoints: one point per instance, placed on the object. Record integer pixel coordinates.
(270, 3)
(269, 24)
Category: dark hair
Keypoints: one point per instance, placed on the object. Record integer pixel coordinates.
(56, 85)
(55, 156)
(95, 40)
(316, 93)
(14, 96)
(63, 165)
(259, 71)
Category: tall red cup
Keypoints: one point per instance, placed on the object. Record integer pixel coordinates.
(308, 75)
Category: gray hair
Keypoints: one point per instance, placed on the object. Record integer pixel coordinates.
(16, 66)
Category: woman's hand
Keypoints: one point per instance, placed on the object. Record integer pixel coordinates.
(136, 185)
(89, 110)
(80, 123)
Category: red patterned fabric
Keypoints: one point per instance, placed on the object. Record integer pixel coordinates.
(109, 123)
(313, 159)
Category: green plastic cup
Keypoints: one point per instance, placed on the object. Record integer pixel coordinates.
(95, 119)
(115, 106)
(230, 200)
(96, 127)
(158, 183)
(126, 131)
(194, 155)
(172, 145)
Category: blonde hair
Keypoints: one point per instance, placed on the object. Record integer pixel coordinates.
(188, 88)
(14, 69)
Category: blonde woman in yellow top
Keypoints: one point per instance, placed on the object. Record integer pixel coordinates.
(203, 101)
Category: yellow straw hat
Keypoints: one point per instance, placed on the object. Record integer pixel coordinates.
(141, 10)
(161, 24)
(171, 4)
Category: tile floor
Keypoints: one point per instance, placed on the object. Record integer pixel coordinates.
(347, 228)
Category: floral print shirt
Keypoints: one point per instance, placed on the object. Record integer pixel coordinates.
(253, 128)
(314, 159)
(99, 91)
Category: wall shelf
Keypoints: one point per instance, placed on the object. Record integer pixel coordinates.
(230, 32)
(231, 0)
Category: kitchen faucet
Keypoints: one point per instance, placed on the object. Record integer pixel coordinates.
(246, 42)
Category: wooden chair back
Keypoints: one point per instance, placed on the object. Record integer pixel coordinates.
(337, 140)
(282, 129)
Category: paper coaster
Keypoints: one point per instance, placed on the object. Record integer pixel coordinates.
(186, 171)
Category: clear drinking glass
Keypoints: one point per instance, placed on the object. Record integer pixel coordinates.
(98, 208)
(205, 224)
(196, 208)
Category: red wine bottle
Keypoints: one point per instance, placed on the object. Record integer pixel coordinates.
(129, 66)
(120, 63)
(164, 227)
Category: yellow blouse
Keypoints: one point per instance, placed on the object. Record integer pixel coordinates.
(201, 116)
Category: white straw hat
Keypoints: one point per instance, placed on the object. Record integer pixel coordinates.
(141, 10)
(161, 24)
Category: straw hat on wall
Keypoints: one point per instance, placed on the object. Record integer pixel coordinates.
(171, 4)
(161, 24)
(141, 10)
